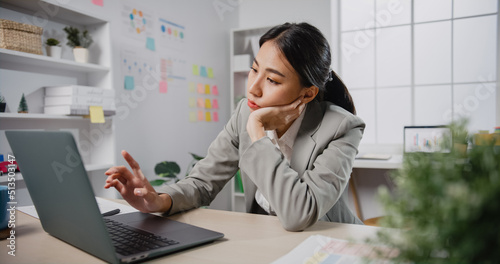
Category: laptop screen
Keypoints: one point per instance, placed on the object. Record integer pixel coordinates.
(428, 139)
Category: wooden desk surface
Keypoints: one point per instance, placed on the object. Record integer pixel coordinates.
(249, 238)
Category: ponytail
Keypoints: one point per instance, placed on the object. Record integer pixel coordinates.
(337, 93)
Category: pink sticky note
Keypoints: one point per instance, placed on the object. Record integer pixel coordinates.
(201, 89)
(201, 117)
(163, 87)
(216, 116)
(201, 103)
(215, 91)
(98, 2)
(215, 104)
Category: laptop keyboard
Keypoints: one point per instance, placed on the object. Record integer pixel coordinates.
(128, 240)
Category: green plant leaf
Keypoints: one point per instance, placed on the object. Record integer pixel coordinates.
(157, 182)
(196, 157)
(168, 169)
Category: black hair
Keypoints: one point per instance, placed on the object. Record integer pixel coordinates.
(307, 50)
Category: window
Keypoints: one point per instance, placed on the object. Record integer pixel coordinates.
(419, 63)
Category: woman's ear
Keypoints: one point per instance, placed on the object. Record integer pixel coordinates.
(310, 94)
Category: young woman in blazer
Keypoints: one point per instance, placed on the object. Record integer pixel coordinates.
(294, 139)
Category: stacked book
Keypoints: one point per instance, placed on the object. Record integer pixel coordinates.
(76, 100)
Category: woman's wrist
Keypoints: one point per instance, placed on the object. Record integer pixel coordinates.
(255, 129)
(166, 202)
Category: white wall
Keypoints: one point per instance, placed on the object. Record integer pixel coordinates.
(155, 126)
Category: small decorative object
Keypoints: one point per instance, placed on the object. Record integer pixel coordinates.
(446, 205)
(53, 48)
(20, 37)
(170, 169)
(79, 42)
(23, 106)
(3, 104)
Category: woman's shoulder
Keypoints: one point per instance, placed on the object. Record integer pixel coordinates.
(335, 115)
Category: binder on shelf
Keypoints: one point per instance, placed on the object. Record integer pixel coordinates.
(74, 110)
(79, 100)
(76, 100)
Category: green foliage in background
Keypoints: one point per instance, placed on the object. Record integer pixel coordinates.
(170, 169)
(75, 39)
(52, 42)
(447, 205)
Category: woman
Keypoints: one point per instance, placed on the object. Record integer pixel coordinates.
(294, 139)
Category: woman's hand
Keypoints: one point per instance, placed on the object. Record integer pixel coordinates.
(135, 188)
(277, 118)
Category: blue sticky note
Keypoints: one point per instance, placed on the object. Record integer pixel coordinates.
(129, 82)
(150, 44)
(203, 71)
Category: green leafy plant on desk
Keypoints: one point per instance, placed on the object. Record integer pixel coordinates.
(447, 205)
(170, 170)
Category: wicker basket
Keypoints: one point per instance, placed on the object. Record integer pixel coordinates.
(20, 37)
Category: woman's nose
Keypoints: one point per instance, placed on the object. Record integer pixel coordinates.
(254, 86)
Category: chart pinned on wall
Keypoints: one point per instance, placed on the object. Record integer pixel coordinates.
(138, 23)
(135, 68)
(172, 34)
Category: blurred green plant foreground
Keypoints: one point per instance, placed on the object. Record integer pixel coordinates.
(446, 206)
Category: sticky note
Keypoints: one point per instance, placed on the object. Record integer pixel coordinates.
(98, 2)
(96, 114)
(129, 82)
(207, 89)
(200, 116)
(191, 87)
(208, 117)
(201, 103)
(192, 116)
(163, 87)
(216, 116)
(200, 89)
(210, 73)
(208, 104)
(195, 70)
(203, 71)
(215, 91)
(150, 44)
(192, 102)
(215, 104)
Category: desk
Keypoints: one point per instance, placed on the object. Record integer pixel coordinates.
(249, 238)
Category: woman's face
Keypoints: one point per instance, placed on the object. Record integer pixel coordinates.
(272, 81)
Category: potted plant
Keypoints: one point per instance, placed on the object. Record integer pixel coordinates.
(79, 42)
(23, 105)
(170, 170)
(53, 48)
(3, 104)
(446, 205)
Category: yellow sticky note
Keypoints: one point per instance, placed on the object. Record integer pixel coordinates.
(196, 71)
(208, 104)
(207, 89)
(208, 117)
(210, 73)
(96, 114)
(192, 116)
(192, 102)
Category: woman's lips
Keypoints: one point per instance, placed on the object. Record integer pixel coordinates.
(252, 105)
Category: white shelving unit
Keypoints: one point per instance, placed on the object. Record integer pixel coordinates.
(240, 44)
(28, 73)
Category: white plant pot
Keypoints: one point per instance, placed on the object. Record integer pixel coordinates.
(54, 51)
(81, 55)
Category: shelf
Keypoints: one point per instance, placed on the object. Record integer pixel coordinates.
(43, 116)
(19, 57)
(56, 9)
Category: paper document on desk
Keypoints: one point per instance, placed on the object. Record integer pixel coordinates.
(104, 206)
(322, 250)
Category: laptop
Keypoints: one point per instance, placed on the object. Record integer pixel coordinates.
(427, 139)
(65, 202)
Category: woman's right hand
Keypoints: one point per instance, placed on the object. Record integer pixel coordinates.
(135, 188)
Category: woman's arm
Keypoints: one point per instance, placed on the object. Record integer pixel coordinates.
(300, 199)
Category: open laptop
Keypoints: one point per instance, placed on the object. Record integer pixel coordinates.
(65, 202)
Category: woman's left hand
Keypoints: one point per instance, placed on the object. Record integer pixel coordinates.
(273, 118)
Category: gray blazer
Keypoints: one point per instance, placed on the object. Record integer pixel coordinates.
(311, 187)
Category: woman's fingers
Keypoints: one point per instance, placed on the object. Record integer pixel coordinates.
(134, 165)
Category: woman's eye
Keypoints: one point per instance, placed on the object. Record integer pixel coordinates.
(253, 69)
(272, 81)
